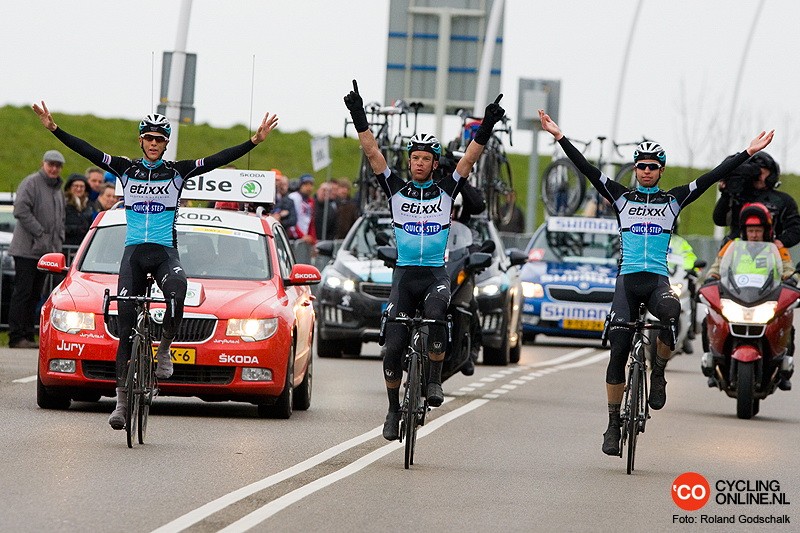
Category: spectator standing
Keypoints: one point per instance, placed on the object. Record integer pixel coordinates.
(511, 218)
(283, 209)
(108, 197)
(95, 176)
(78, 211)
(304, 229)
(347, 209)
(325, 210)
(39, 210)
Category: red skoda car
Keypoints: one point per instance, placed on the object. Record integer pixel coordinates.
(248, 325)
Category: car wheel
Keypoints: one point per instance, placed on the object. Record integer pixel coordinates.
(302, 395)
(516, 352)
(282, 408)
(329, 347)
(528, 338)
(47, 400)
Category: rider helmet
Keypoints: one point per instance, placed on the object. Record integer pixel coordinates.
(649, 150)
(155, 124)
(764, 160)
(756, 214)
(425, 142)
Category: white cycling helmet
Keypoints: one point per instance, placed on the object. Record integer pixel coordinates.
(155, 123)
(424, 142)
(650, 150)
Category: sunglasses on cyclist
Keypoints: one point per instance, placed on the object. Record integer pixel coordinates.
(150, 138)
(648, 166)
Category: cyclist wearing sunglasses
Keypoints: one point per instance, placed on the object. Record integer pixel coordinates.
(646, 217)
(151, 190)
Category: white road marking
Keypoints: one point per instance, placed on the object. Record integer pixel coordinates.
(517, 382)
(256, 517)
(263, 513)
(508, 386)
(497, 375)
(25, 380)
(488, 379)
(566, 357)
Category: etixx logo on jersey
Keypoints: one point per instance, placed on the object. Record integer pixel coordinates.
(422, 228)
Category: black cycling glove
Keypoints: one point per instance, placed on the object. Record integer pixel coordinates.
(355, 104)
(493, 114)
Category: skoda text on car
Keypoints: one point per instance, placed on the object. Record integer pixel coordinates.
(568, 282)
(248, 325)
(355, 290)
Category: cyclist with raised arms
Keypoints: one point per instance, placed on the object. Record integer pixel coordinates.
(421, 210)
(151, 190)
(646, 216)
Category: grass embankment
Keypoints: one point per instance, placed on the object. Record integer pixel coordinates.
(25, 141)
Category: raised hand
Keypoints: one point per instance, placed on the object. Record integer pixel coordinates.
(494, 113)
(355, 105)
(760, 142)
(269, 123)
(549, 125)
(44, 116)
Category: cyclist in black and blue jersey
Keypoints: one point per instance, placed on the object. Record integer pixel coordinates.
(151, 191)
(421, 210)
(646, 216)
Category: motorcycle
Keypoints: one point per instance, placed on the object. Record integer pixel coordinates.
(749, 325)
(682, 283)
(462, 265)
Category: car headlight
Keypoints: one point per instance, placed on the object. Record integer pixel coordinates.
(739, 314)
(490, 287)
(335, 281)
(252, 329)
(71, 321)
(532, 290)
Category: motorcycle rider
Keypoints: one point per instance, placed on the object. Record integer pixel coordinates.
(421, 211)
(646, 216)
(756, 225)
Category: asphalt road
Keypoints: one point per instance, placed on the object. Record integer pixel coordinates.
(512, 449)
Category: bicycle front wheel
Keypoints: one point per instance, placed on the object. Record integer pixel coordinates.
(412, 403)
(146, 383)
(632, 424)
(563, 188)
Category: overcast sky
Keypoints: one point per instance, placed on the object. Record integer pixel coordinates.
(95, 56)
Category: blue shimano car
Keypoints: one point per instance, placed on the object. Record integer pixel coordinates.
(568, 281)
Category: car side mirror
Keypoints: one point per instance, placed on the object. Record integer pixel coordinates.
(382, 238)
(325, 248)
(302, 274)
(54, 262)
(388, 254)
(478, 261)
(699, 263)
(517, 256)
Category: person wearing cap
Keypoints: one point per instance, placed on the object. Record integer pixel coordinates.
(646, 216)
(79, 211)
(39, 210)
(151, 190)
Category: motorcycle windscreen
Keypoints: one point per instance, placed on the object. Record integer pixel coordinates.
(749, 271)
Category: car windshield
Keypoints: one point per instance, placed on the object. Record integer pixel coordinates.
(576, 247)
(362, 241)
(208, 253)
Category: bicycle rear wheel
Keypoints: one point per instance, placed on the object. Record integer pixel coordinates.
(626, 175)
(146, 383)
(499, 183)
(632, 424)
(563, 188)
(412, 403)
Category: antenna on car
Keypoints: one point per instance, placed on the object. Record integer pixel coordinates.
(252, 88)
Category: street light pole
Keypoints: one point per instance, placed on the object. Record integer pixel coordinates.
(175, 89)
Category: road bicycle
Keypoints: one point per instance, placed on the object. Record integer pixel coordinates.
(414, 406)
(564, 189)
(492, 172)
(390, 126)
(140, 380)
(635, 410)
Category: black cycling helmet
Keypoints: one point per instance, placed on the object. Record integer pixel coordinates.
(764, 160)
(755, 214)
(649, 150)
(425, 142)
(155, 123)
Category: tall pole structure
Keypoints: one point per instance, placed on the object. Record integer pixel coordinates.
(624, 71)
(485, 69)
(177, 68)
